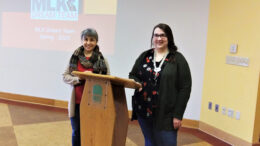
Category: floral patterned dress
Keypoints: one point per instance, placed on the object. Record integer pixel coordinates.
(145, 101)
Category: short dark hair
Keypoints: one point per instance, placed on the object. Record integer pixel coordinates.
(168, 32)
(89, 32)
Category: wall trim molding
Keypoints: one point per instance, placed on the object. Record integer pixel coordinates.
(34, 100)
(224, 136)
(188, 123)
(64, 104)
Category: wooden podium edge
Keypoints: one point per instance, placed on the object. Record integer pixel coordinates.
(127, 83)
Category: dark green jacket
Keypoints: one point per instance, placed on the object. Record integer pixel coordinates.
(174, 89)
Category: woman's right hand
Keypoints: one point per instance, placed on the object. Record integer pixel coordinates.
(87, 71)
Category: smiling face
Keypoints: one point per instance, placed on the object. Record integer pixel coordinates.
(89, 43)
(160, 40)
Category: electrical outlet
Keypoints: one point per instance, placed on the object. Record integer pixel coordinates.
(233, 48)
(210, 105)
(230, 113)
(237, 115)
(216, 107)
(224, 110)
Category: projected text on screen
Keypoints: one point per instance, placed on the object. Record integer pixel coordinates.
(57, 24)
(55, 9)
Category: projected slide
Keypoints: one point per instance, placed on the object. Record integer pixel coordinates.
(57, 24)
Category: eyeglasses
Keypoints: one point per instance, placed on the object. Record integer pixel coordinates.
(159, 35)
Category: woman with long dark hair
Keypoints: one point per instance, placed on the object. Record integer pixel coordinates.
(86, 58)
(165, 77)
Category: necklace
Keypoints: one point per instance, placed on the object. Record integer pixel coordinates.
(159, 68)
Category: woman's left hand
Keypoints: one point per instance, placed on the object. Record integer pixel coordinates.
(176, 123)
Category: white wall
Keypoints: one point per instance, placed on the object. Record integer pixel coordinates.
(38, 72)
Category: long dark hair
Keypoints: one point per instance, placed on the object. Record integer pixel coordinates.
(168, 32)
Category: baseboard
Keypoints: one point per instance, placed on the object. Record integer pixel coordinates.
(64, 104)
(190, 123)
(185, 122)
(34, 100)
(233, 140)
(130, 114)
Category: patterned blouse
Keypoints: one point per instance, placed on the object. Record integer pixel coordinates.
(145, 101)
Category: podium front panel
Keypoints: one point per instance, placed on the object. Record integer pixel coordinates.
(103, 113)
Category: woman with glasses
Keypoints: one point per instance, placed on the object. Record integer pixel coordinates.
(165, 77)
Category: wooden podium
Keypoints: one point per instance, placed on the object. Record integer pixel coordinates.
(103, 110)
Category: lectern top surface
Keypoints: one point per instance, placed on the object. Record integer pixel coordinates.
(128, 83)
